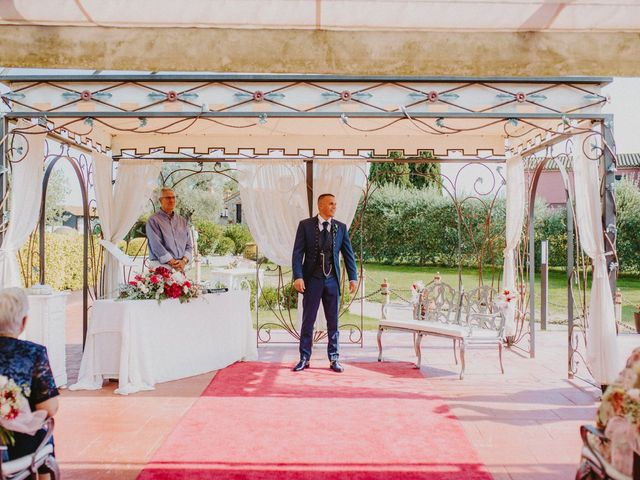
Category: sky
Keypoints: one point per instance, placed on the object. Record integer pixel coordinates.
(624, 104)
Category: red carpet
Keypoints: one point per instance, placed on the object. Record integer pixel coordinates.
(260, 421)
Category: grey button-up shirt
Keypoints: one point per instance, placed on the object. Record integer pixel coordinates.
(168, 237)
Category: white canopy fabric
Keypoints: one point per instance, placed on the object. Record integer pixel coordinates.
(422, 15)
(357, 37)
(515, 211)
(274, 200)
(601, 324)
(119, 207)
(347, 179)
(26, 194)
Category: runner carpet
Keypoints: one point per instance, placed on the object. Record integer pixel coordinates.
(261, 421)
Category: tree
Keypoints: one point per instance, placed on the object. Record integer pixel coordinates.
(199, 197)
(405, 174)
(57, 191)
(391, 172)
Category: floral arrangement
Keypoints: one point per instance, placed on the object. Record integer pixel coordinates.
(619, 416)
(15, 413)
(504, 299)
(158, 284)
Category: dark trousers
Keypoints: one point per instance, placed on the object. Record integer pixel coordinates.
(327, 290)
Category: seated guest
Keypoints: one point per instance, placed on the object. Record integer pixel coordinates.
(619, 419)
(27, 364)
(168, 235)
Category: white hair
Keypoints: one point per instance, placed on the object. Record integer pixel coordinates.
(14, 306)
(162, 191)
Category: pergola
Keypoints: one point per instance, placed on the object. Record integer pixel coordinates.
(173, 117)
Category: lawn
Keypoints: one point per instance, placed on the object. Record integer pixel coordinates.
(401, 277)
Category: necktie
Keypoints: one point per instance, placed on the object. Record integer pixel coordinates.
(325, 233)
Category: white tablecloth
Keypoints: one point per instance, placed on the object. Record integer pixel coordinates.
(143, 342)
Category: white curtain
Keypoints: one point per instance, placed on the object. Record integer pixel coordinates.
(515, 212)
(274, 200)
(24, 203)
(119, 207)
(601, 330)
(346, 179)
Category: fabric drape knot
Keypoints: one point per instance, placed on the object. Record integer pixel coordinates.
(600, 265)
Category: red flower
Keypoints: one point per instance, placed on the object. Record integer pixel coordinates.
(154, 279)
(133, 283)
(162, 271)
(138, 277)
(187, 284)
(175, 290)
(506, 293)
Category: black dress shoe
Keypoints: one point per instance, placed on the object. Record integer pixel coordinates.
(336, 367)
(301, 365)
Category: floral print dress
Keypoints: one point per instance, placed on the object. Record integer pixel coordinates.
(27, 364)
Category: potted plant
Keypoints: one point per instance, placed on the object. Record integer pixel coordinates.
(636, 317)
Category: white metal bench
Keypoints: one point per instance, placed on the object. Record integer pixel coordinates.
(468, 319)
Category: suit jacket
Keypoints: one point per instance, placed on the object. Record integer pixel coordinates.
(304, 255)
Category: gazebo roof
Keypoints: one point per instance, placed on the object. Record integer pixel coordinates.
(391, 37)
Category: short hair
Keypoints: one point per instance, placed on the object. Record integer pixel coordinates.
(162, 191)
(325, 195)
(14, 306)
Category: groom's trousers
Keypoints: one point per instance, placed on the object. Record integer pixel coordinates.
(316, 290)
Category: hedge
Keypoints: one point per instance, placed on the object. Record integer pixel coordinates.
(420, 227)
(63, 261)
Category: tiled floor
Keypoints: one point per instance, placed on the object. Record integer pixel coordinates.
(524, 424)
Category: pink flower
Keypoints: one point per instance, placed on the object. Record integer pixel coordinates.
(154, 279)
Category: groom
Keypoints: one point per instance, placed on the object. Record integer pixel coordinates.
(316, 273)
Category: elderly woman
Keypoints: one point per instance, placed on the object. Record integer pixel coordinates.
(27, 364)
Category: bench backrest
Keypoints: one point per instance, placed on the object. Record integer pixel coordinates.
(439, 302)
(480, 309)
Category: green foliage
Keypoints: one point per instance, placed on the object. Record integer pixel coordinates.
(393, 173)
(135, 247)
(240, 235)
(418, 175)
(628, 223)
(424, 175)
(225, 246)
(209, 236)
(271, 298)
(57, 190)
(63, 261)
(199, 196)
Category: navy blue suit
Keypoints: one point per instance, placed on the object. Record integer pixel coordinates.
(321, 287)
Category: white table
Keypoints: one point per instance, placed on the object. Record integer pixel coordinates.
(143, 342)
(233, 278)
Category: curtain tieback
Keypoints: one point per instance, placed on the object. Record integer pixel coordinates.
(600, 264)
(118, 254)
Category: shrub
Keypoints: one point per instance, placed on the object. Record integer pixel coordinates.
(135, 247)
(225, 246)
(209, 236)
(240, 235)
(63, 261)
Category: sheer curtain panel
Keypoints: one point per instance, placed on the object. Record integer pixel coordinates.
(274, 200)
(601, 325)
(24, 201)
(515, 207)
(120, 206)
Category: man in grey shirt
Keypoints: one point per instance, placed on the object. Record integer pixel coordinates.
(168, 234)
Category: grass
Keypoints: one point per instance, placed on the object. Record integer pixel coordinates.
(267, 316)
(400, 278)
